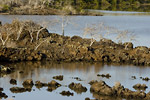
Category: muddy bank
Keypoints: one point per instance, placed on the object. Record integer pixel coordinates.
(29, 45)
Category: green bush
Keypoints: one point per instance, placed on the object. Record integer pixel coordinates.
(5, 8)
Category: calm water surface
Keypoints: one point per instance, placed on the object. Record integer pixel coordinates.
(44, 71)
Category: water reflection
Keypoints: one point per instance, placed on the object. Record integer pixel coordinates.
(44, 72)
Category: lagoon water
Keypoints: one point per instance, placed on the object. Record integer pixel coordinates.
(44, 71)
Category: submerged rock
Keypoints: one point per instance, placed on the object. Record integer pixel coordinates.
(77, 87)
(28, 82)
(146, 79)
(103, 75)
(3, 95)
(19, 90)
(60, 77)
(39, 84)
(66, 93)
(1, 89)
(140, 86)
(53, 85)
(87, 99)
(77, 78)
(13, 82)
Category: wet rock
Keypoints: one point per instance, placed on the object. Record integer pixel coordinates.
(0, 23)
(103, 75)
(133, 77)
(39, 84)
(87, 99)
(3, 95)
(101, 88)
(77, 87)
(60, 77)
(53, 85)
(18, 90)
(92, 82)
(140, 86)
(1, 89)
(28, 82)
(77, 78)
(66, 93)
(50, 89)
(145, 79)
(13, 82)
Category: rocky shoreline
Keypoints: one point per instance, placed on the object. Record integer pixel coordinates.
(55, 47)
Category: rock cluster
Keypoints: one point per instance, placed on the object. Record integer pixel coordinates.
(51, 46)
(101, 88)
(77, 87)
(140, 86)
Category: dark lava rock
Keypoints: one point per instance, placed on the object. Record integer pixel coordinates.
(77, 87)
(53, 85)
(3, 95)
(1, 89)
(140, 87)
(66, 93)
(0, 23)
(18, 90)
(101, 88)
(133, 77)
(87, 99)
(50, 89)
(92, 82)
(145, 79)
(28, 82)
(77, 78)
(60, 77)
(39, 84)
(13, 82)
(103, 75)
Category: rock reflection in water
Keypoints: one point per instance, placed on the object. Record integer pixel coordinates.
(31, 69)
(45, 71)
